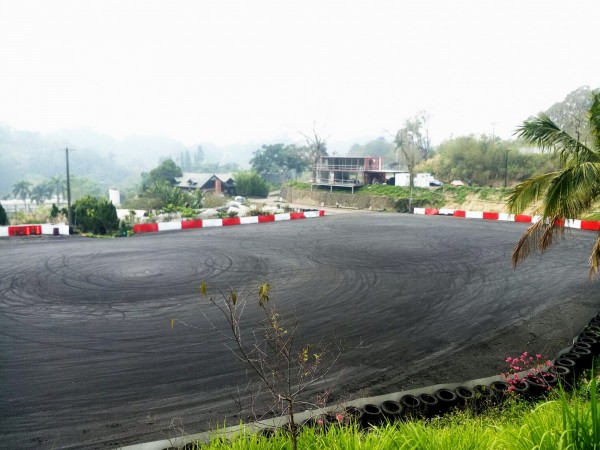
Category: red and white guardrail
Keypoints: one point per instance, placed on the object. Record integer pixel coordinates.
(207, 223)
(62, 229)
(592, 225)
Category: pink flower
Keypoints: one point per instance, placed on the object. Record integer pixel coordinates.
(320, 421)
(339, 417)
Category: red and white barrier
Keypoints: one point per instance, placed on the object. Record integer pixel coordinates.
(228, 221)
(34, 230)
(592, 225)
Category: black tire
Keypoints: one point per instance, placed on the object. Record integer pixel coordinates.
(550, 379)
(594, 343)
(429, 405)
(465, 396)
(585, 356)
(483, 397)
(411, 405)
(391, 410)
(353, 414)
(372, 415)
(582, 344)
(564, 374)
(521, 387)
(570, 364)
(447, 399)
(499, 390)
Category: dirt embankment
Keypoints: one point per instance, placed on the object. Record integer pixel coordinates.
(492, 202)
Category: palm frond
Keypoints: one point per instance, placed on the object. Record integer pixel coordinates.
(528, 192)
(544, 133)
(538, 236)
(527, 243)
(571, 191)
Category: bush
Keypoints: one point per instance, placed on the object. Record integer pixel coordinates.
(250, 184)
(3, 216)
(95, 215)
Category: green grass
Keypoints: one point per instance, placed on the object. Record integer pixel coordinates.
(565, 421)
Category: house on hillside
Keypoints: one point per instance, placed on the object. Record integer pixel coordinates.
(349, 171)
(214, 183)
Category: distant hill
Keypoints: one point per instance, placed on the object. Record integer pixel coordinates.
(35, 157)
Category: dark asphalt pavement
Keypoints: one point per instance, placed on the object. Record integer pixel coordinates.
(88, 359)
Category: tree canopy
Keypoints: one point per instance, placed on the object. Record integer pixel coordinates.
(167, 171)
(482, 161)
(566, 193)
(250, 184)
(280, 159)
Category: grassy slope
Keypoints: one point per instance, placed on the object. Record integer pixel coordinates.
(563, 421)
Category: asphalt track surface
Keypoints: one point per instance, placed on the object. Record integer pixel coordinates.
(88, 359)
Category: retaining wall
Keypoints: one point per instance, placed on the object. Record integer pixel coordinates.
(348, 200)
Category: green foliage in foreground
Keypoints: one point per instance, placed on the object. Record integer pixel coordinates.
(567, 421)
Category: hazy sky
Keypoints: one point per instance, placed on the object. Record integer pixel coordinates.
(237, 71)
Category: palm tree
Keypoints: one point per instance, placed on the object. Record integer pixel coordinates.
(40, 192)
(567, 193)
(22, 190)
(58, 187)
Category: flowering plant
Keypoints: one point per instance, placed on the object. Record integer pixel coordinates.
(533, 366)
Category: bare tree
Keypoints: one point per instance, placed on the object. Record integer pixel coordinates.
(317, 147)
(271, 349)
(413, 142)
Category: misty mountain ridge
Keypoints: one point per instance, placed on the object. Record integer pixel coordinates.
(33, 156)
(115, 162)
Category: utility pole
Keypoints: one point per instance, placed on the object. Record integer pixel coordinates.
(69, 210)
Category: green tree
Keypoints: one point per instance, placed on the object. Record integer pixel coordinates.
(166, 171)
(3, 216)
(250, 184)
(566, 193)
(280, 159)
(95, 215)
(22, 189)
